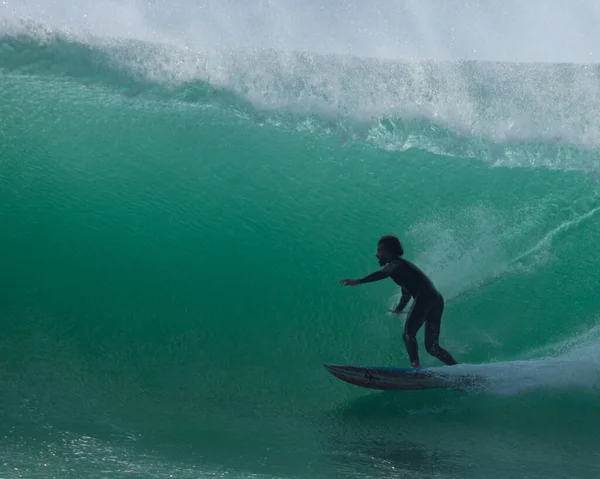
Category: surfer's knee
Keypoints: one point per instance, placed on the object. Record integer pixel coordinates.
(432, 347)
(409, 338)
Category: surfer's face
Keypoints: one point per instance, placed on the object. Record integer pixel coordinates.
(382, 255)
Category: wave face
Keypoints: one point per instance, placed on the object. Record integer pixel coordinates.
(183, 187)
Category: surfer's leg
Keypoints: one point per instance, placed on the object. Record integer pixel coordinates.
(414, 321)
(432, 333)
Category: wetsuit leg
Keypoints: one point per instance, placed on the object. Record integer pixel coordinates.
(432, 333)
(414, 321)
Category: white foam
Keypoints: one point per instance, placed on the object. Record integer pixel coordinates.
(253, 50)
(572, 364)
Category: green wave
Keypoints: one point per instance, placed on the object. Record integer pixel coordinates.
(171, 279)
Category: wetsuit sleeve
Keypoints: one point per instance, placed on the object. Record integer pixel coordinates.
(378, 275)
(403, 301)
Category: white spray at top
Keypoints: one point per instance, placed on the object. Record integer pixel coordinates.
(367, 62)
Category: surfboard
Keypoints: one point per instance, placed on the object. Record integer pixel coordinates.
(391, 378)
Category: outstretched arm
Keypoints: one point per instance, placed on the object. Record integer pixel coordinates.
(376, 276)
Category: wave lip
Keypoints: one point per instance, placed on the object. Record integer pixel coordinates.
(491, 105)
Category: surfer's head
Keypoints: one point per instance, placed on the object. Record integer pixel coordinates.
(388, 249)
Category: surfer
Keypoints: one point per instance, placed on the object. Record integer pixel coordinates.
(428, 303)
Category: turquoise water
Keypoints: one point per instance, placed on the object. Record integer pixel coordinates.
(175, 224)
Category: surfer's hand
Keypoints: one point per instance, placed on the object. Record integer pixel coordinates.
(349, 282)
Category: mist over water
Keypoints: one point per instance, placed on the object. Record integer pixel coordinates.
(551, 31)
(183, 185)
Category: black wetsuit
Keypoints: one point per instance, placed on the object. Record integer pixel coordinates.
(427, 308)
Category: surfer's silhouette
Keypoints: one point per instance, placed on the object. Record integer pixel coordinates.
(428, 305)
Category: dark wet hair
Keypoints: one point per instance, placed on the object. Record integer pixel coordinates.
(391, 243)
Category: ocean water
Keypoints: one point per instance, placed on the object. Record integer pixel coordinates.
(183, 185)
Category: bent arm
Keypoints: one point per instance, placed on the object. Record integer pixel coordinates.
(403, 301)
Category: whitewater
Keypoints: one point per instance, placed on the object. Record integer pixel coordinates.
(184, 184)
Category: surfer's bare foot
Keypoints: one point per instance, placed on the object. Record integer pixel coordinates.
(416, 365)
